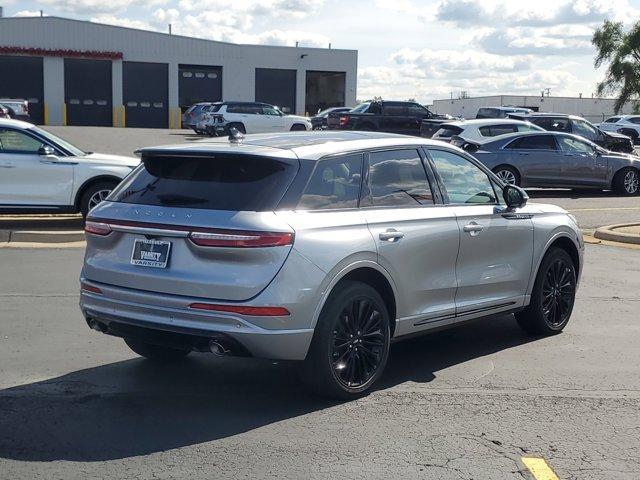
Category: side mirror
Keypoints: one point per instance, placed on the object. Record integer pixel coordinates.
(514, 197)
(46, 151)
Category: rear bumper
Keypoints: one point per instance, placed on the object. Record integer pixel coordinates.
(167, 320)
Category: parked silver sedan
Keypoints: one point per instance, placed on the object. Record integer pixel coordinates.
(555, 159)
(320, 247)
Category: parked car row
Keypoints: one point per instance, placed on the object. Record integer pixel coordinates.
(217, 118)
(18, 109)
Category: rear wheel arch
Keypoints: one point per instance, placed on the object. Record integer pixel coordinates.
(373, 277)
(508, 166)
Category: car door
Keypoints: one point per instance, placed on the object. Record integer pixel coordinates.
(581, 163)
(273, 119)
(496, 245)
(415, 114)
(416, 236)
(393, 119)
(28, 178)
(537, 158)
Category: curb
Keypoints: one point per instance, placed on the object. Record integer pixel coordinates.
(609, 233)
(27, 236)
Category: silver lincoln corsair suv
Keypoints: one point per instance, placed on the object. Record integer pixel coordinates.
(319, 247)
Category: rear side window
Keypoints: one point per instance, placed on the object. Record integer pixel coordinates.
(334, 183)
(635, 120)
(394, 109)
(464, 181)
(534, 142)
(217, 182)
(489, 113)
(398, 178)
(494, 130)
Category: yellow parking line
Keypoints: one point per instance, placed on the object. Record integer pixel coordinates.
(539, 468)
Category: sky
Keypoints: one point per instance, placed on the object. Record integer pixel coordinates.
(419, 49)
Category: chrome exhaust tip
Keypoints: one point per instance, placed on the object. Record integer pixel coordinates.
(217, 348)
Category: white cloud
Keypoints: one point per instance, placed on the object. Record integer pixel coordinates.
(565, 40)
(122, 22)
(90, 7)
(27, 13)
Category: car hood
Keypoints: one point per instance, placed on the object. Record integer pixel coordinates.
(617, 135)
(299, 117)
(632, 159)
(116, 160)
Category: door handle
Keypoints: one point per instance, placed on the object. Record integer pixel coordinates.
(391, 235)
(473, 228)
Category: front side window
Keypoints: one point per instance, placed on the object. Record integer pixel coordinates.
(13, 141)
(585, 130)
(533, 142)
(464, 182)
(415, 109)
(573, 145)
(362, 108)
(269, 110)
(334, 183)
(635, 120)
(398, 178)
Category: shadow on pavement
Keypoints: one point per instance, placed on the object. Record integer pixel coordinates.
(133, 407)
(571, 193)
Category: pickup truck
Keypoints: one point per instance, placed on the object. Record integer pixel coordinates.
(382, 116)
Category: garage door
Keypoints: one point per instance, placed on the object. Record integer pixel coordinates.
(199, 83)
(22, 78)
(324, 90)
(277, 87)
(145, 92)
(87, 92)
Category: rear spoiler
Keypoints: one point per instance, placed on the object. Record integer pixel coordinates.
(466, 145)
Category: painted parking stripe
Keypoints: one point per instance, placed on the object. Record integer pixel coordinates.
(539, 468)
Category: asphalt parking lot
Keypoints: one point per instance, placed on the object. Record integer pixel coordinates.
(466, 403)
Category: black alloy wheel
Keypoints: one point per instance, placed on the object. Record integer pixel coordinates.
(358, 343)
(558, 291)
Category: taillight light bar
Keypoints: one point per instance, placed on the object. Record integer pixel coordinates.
(97, 228)
(344, 120)
(243, 310)
(90, 288)
(233, 239)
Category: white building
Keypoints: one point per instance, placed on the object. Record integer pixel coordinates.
(593, 109)
(83, 73)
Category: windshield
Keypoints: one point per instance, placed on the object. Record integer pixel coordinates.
(72, 149)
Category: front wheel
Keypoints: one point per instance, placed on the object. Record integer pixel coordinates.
(553, 295)
(156, 353)
(626, 182)
(350, 345)
(298, 127)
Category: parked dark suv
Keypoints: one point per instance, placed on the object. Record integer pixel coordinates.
(560, 122)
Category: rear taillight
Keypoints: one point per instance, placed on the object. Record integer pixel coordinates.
(237, 239)
(243, 310)
(26, 107)
(344, 120)
(85, 287)
(97, 228)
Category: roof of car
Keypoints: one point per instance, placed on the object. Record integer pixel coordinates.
(310, 145)
(9, 122)
(485, 121)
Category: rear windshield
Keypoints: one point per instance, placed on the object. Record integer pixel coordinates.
(218, 182)
(448, 131)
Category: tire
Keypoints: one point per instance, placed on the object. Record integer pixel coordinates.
(346, 359)
(507, 174)
(631, 134)
(94, 195)
(298, 127)
(156, 353)
(626, 182)
(237, 126)
(553, 295)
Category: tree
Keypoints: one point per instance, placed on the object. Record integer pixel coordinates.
(620, 51)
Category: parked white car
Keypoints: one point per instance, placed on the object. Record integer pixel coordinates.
(628, 125)
(480, 129)
(41, 173)
(250, 117)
